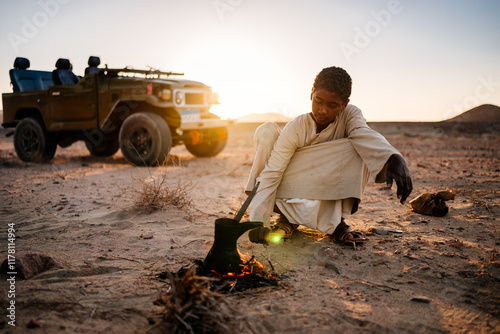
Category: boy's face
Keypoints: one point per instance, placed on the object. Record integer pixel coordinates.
(326, 106)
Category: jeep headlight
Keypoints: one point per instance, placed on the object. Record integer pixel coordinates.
(165, 94)
(179, 97)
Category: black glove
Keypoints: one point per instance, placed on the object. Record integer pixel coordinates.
(259, 235)
(399, 172)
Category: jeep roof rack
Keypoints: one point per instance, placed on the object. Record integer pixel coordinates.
(151, 72)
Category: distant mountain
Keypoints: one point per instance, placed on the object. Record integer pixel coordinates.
(485, 113)
(264, 117)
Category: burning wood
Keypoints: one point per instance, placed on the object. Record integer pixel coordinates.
(252, 275)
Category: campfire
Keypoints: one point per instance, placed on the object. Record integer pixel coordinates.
(250, 267)
(194, 303)
(228, 269)
(252, 275)
(225, 265)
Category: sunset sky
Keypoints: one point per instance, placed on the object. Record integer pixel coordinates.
(410, 60)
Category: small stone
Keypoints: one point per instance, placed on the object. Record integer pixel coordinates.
(325, 251)
(28, 265)
(33, 324)
(147, 236)
(331, 266)
(383, 230)
(421, 299)
(413, 218)
(276, 295)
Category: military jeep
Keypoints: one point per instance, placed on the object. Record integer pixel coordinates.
(142, 112)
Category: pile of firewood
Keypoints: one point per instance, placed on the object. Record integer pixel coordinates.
(191, 307)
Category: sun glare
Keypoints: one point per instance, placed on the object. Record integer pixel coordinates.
(244, 77)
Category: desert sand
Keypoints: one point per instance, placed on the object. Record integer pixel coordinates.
(441, 275)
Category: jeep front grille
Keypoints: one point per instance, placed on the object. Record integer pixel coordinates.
(195, 98)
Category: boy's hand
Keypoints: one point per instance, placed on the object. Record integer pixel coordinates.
(259, 235)
(398, 171)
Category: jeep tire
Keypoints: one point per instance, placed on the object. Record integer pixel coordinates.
(210, 147)
(145, 139)
(32, 142)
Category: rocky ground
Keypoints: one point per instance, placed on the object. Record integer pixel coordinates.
(440, 275)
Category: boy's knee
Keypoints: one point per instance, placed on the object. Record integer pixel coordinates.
(268, 132)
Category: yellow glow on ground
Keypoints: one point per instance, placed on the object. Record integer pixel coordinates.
(275, 238)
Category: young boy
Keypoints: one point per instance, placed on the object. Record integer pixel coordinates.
(313, 172)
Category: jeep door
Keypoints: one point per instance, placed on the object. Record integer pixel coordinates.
(74, 106)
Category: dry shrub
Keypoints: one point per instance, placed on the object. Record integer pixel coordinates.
(61, 175)
(191, 307)
(154, 193)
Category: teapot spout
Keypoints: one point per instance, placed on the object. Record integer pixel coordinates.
(243, 227)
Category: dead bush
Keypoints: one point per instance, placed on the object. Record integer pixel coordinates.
(155, 193)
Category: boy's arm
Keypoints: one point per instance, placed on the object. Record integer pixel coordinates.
(262, 205)
(376, 152)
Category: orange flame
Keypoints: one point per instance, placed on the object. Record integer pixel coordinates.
(250, 267)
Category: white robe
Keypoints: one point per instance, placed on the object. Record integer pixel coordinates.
(315, 179)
